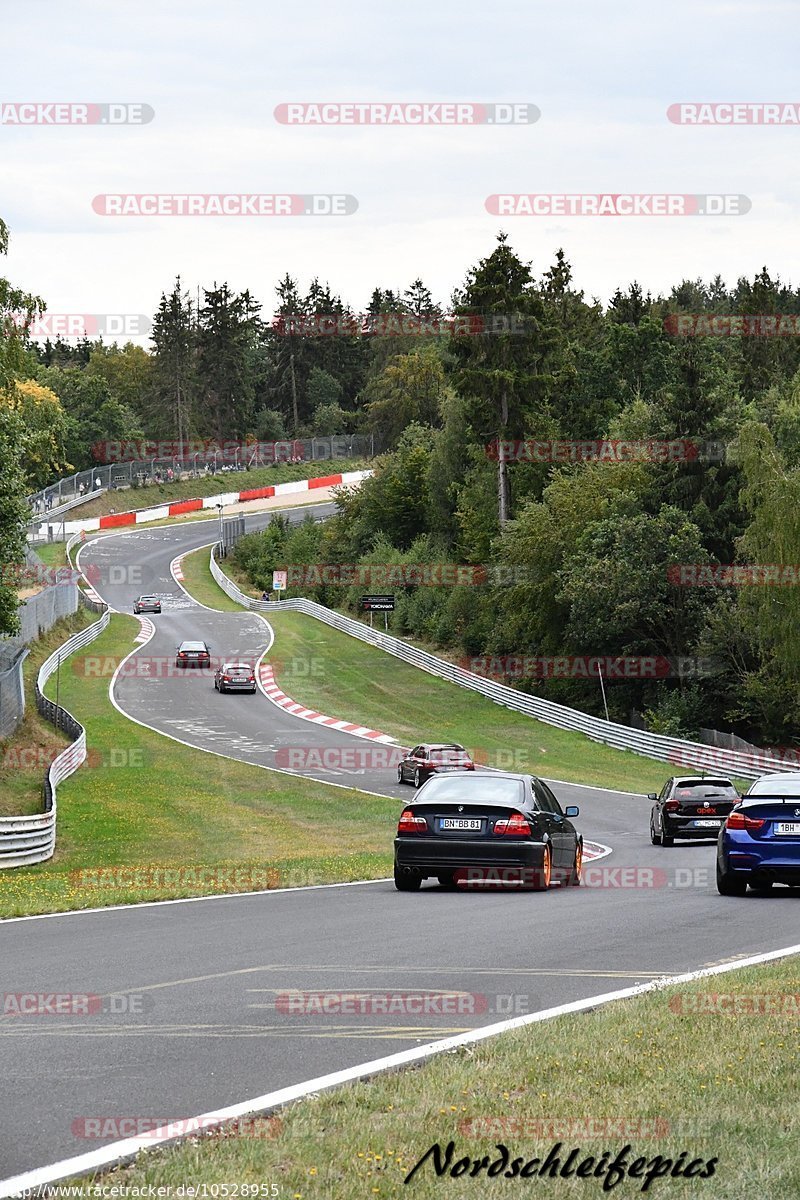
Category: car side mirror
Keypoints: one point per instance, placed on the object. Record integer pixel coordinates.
(652, 796)
(572, 810)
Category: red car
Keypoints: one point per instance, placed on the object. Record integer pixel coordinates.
(433, 758)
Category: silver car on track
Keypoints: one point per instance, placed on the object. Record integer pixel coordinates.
(235, 677)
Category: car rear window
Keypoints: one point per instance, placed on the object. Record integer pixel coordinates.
(474, 790)
(449, 756)
(698, 791)
(773, 787)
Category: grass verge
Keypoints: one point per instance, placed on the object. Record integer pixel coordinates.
(126, 500)
(348, 678)
(52, 554)
(198, 580)
(655, 1073)
(343, 677)
(147, 818)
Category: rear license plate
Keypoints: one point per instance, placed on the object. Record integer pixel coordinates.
(707, 824)
(467, 823)
(788, 827)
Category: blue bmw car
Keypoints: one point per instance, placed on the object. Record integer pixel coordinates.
(759, 844)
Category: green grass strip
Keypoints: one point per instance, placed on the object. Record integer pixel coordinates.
(191, 822)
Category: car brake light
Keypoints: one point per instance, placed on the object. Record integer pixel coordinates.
(226, 678)
(181, 654)
(738, 820)
(408, 823)
(672, 805)
(515, 826)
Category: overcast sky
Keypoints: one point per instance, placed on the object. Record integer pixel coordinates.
(602, 76)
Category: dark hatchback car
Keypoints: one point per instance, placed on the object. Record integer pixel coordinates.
(147, 604)
(431, 758)
(193, 654)
(759, 844)
(690, 807)
(487, 827)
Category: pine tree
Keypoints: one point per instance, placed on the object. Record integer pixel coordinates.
(173, 390)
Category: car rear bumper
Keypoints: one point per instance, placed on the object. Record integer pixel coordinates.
(238, 687)
(778, 863)
(193, 662)
(683, 827)
(431, 856)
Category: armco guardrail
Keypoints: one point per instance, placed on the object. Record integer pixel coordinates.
(27, 840)
(683, 754)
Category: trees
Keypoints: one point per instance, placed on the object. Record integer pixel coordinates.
(502, 374)
(393, 504)
(93, 417)
(410, 389)
(538, 547)
(288, 353)
(13, 512)
(42, 430)
(618, 590)
(16, 309)
(128, 371)
(172, 393)
(227, 339)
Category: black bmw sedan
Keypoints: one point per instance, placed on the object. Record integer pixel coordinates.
(487, 827)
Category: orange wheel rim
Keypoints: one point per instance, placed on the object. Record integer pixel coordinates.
(578, 860)
(546, 868)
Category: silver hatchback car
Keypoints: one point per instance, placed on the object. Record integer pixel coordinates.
(147, 604)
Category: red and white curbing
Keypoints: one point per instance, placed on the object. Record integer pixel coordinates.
(176, 570)
(271, 690)
(592, 851)
(180, 507)
(146, 631)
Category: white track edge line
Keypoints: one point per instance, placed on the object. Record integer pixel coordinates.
(306, 887)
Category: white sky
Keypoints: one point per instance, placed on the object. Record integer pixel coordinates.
(602, 76)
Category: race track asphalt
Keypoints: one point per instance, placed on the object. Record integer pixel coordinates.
(207, 1020)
